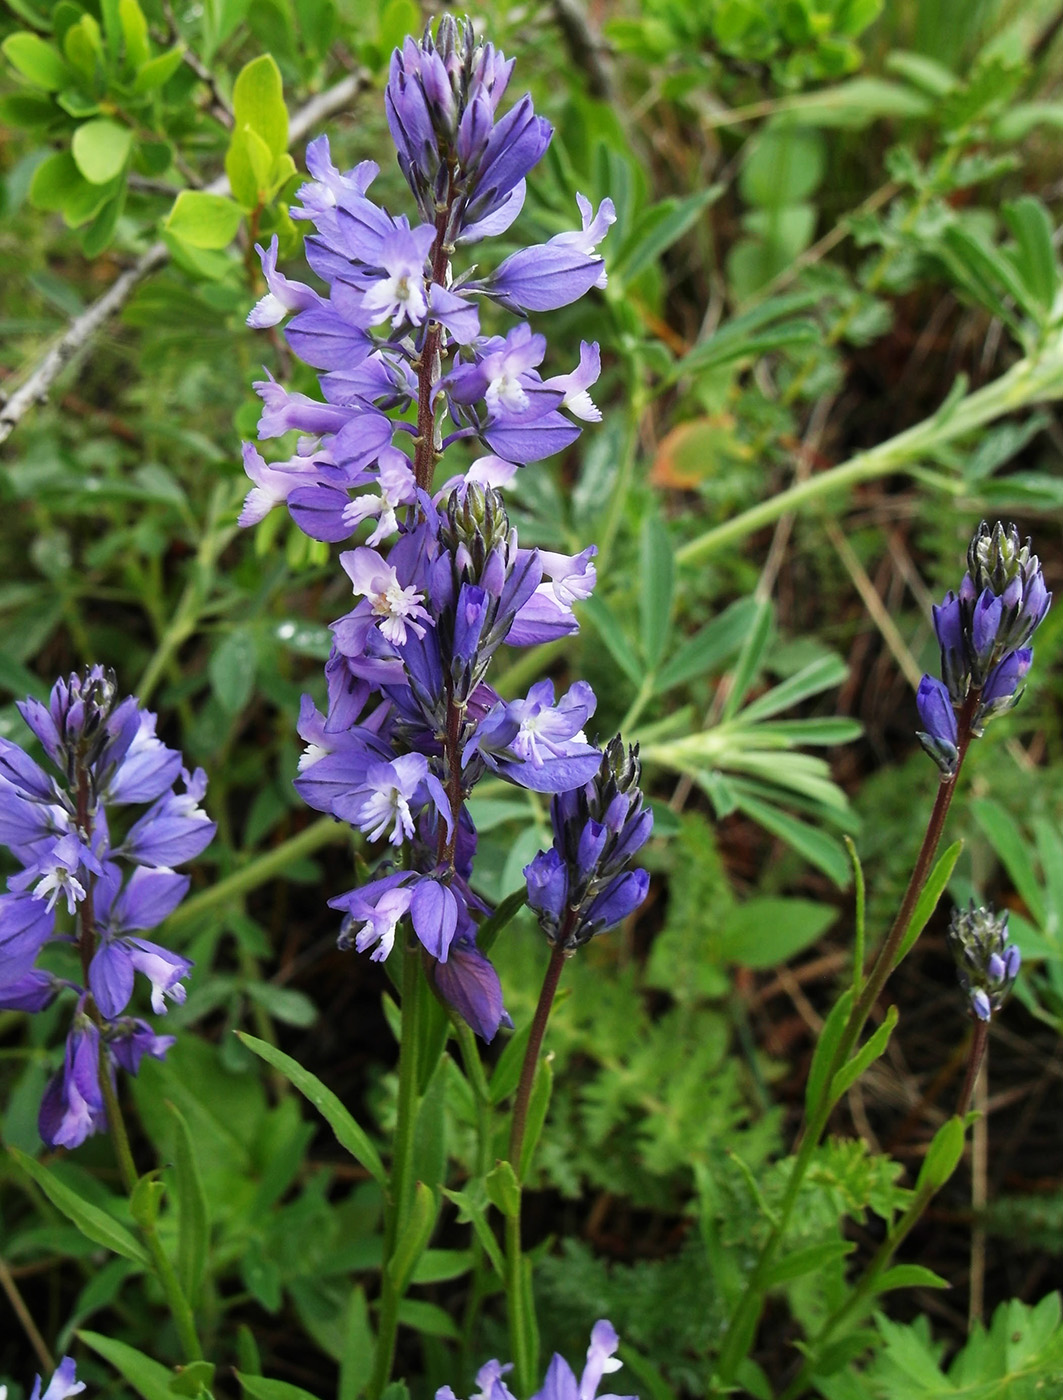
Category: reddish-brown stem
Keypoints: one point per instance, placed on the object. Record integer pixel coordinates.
(883, 964)
(424, 462)
(975, 1056)
(531, 1054)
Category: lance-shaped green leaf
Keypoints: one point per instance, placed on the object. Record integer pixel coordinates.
(476, 1216)
(909, 1276)
(807, 1261)
(829, 1039)
(942, 1156)
(356, 1363)
(411, 1243)
(148, 1378)
(95, 1224)
(503, 1189)
(866, 1055)
(656, 580)
(348, 1133)
(263, 1388)
(928, 898)
(193, 1211)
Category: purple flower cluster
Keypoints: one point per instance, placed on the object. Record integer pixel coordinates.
(560, 1382)
(440, 581)
(582, 885)
(986, 963)
(983, 633)
(73, 888)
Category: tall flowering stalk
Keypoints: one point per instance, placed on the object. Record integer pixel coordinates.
(439, 578)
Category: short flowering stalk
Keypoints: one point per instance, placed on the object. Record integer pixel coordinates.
(59, 828)
(982, 632)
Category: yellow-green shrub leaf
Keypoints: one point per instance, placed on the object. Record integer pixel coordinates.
(101, 148)
(204, 220)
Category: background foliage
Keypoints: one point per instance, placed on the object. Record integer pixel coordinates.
(832, 342)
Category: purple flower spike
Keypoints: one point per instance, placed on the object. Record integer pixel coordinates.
(76, 888)
(581, 886)
(987, 964)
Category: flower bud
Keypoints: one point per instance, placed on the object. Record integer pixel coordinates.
(986, 963)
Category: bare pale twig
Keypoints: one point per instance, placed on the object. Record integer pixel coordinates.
(81, 331)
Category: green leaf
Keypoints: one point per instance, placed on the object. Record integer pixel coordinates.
(259, 1388)
(503, 1190)
(95, 1224)
(100, 149)
(147, 1377)
(929, 895)
(37, 60)
(232, 670)
(784, 166)
(656, 579)
(818, 847)
(505, 911)
(145, 1199)
(258, 102)
(412, 1241)
(158, 71)
(283, 1003)
(829, 1038)
(506, 1074)
(538, 1106)
(204, 220)
(477, 1217)
(134, 32)
(193, 1210)
(356, 1364)
(822, 674)
(870, 1051)
(764, 932)
(807, 1261)
(612, 634)
(715, 642)
(430, 1129)
(1031, 227)
(909, 1276)
(193, 1379)
(428, 1318)
(658, 229)
(750, 658)
(943, 1155)
(348, 1133)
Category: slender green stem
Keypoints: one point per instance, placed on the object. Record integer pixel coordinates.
(183, 1317)
(516, 1302)
(400, 1185)
(864, 1290)
(256, 872)
(741, 1332)
(1031, 379)
(474, 1072)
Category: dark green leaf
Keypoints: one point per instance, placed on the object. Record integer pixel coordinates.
(870, 1051)
(348, 1133)
(193, 1210)
(927, 902)
(656, 579)
(943, 1155)
(765, 932)
(147, 1377)
(93, 1222)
